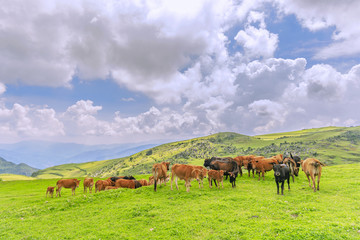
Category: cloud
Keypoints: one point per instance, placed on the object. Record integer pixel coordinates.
(341, 15)
(29, 122)
(2, 88)
(257, 42)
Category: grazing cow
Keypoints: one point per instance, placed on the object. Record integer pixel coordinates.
(110, 187)
(144, 182)
(281, 173)
(159, 171)
(312, 167)
(50, 190)
(216, 176)
(185, 172)
(88, 183)
(125, 183)
(228, 165)
(67, 183)
(294, 171)
(100, 185)
(262, 165)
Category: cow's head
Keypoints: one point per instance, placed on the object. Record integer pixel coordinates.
(207, 162)
(77, 182)
(296, 171)
(277, 169)
(221, 173)
(167, 164)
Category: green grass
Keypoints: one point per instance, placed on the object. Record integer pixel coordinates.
(12, 177)
(251, 211)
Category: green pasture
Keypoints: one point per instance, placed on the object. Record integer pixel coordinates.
(251, 211)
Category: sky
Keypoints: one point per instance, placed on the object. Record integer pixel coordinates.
(107, 71)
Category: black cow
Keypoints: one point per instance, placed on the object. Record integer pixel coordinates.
(281, 173)
(122, 177)
(228, 165)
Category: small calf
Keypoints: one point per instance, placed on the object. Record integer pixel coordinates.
(281, 173)
(50, 190)
(216, 176)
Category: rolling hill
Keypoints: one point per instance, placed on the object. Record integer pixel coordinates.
(331, 145)
(19, 169)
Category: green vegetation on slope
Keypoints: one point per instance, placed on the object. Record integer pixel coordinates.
(331, 145)
(252, 210)
(20, 169)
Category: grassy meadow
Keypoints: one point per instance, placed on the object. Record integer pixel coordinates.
(251, 211)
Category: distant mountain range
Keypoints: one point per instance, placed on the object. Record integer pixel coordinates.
(41, 154)
(20, 169)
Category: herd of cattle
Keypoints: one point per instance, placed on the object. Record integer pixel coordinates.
(214, 169)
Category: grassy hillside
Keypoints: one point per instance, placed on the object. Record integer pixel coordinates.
(252, 210)
(331, 145)
(20, 169)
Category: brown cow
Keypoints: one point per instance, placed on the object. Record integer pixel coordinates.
(67, 183)
(100, 185)
(159, 171)
(50, 190)
(216, 176)
(125, 183)
(144, 182)
(262, 165)
(312, 167)
(88, 183)
(245, 161)
(185, 172)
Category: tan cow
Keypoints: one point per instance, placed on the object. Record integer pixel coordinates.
(88, 183)
(312, 167)
(100, 185)
(159, 171)
(294, 170)
(216, 176)
(262, 165)
(185, 172)
(67, 183)
(50, 190)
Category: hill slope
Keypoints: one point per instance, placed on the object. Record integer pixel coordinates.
(332, 145)
(20, 169)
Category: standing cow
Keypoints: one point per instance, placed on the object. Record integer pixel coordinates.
(281, 173)
(159, 171)
(312, 168)
(88, 183)
(67, 183)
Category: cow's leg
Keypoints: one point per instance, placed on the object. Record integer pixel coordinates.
(187, 184)
(308, 179)
(240, 171)
(253, 172)
(318, 181)
(209, 182)
(314, 183)
(199, 183)
(249, 172)
(263, 175)
(176, 182)
(90, 188)
(172, 179)
(84, 189)
(288, 181)
(222, 183)
(277, 185)
(215, 182)
(282, 187)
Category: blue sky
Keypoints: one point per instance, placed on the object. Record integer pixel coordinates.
(126, 71)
